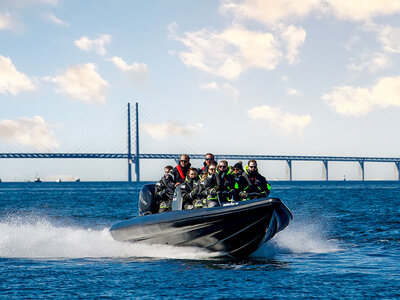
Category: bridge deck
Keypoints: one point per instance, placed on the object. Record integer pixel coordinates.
(201, 156)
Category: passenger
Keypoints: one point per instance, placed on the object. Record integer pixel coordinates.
(225, 182)
(257, 185)
(207, 161)
(181, 170)
(164, 190)
(240, 182)
(190, 190)
(209, 187)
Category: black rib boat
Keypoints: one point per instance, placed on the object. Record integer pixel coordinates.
(236, 229)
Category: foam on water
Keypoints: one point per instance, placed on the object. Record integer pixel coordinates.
(298, 238)
(36, 237)
(33, 237)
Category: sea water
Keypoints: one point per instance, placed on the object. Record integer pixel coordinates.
(344, 242)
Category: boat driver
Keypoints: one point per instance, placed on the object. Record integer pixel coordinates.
(257, 185)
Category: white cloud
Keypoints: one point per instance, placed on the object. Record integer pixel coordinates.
(269, 12)
(53, 19)
(272, 12)
(292, 92)
(370, 63)
(230, 52)
(97, 45)
(356, 101)
(390, 38)
(276, 117)
(209, 86)
(361, 10)
(6, 21)
(165, 130)
(137, 70)
(228, 90)
(11, 80)
(294, 37)
(28, 132)
(82, 82)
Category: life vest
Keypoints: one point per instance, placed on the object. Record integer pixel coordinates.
(178, 167)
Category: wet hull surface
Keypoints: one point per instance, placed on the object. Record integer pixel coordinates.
(236, 230)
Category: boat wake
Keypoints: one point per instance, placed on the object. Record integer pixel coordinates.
(34, 237)
(37, 237)
(298, 238)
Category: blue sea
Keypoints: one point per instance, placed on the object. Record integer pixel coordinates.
(344, 242)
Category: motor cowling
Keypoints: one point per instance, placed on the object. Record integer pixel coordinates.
(147, 203)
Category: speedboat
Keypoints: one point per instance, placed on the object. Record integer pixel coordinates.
(234, 229)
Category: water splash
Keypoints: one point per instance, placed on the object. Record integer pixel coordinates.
(298, 238)
(33, 237)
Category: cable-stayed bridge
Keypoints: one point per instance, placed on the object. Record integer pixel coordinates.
(133, 158)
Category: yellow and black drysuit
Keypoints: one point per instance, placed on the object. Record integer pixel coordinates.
(164, 193)
(189, 191)
(257, 185)
(225, 184)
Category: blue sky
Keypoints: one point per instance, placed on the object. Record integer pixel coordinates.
(309, 77)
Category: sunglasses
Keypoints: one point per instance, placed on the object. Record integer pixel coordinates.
(183, 161)
(209, 158)
(222, 167)
(252, 167)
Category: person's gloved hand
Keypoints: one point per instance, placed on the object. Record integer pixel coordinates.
(213, 192)
(243, 195)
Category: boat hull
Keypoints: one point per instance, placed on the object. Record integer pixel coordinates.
(236, 230)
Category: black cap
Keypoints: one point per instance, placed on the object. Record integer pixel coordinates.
(238, 165)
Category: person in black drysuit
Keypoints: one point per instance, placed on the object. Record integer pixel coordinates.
(257, 185)
(208, 187)
(181, 170)
(240, 182)
(225, 182)
(190, 190)
(164, 191)
(209, 158)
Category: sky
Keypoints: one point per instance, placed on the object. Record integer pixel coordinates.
(304, 77)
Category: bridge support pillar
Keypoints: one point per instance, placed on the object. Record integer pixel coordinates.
(289, 170)
(361, 162)
(325, 169)
(397, 170)
(137, 159)
(129, 145)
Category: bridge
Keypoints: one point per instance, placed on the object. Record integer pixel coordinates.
(134, 158)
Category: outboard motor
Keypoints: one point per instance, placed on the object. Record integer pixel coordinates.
(147, 203)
